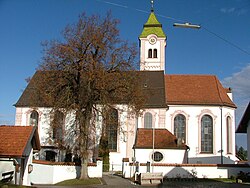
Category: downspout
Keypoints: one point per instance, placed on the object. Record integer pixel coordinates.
(221, 146)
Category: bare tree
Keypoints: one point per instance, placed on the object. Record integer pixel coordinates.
(90, 67)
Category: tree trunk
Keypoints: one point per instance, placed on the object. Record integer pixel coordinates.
(84, 132)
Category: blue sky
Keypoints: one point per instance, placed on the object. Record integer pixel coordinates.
(221, 47)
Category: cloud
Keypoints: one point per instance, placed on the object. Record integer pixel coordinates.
(240, 83)
(238, 11)
(227, 10)
(6, 119)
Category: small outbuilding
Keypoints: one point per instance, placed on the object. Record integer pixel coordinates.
(244, 127)
(16, 152)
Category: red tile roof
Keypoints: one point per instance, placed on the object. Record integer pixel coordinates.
(163, 139)
(14, 140)
(196, 90)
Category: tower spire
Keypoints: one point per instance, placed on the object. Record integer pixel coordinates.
(152, 5)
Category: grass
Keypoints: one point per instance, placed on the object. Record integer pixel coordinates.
(71, 182)
(11, 186)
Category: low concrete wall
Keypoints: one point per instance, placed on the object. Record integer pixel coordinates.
(45, 172)
(187, 170)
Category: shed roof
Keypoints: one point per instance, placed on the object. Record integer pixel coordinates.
(14, 140)
(163, 139)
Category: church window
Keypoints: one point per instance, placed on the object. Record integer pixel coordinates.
(148, 120)
(206, 134)
(155, 53)
(150, 53)
(34, 118)
(229, 134)
(112, 127)
(157, 156)
(57, 126)
(180, 128)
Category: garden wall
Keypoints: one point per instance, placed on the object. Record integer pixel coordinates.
(186, 170)
(45, 172)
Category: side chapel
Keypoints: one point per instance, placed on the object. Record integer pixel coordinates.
(187, 119)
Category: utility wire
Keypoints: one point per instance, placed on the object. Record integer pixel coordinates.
(180, 20)
(227, 41)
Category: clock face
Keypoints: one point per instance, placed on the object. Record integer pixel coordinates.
(152, 40)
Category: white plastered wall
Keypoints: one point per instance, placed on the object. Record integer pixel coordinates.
(193, 116)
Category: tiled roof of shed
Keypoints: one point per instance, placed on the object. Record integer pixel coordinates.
(14, 140)
(163, 139)
(196, 90)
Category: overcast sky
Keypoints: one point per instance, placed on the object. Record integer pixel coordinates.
(221, 47)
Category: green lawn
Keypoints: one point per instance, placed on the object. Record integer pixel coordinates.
(90, 181)
(11, 186)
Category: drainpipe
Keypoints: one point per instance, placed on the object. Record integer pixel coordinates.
(221, 146)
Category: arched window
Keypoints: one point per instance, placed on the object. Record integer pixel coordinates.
(112, 127)
(150, 53)
(180, 128)
(57, 126)
(34, 118)
(148, 120)
(229, 134)
(155, 53)
(206, 134)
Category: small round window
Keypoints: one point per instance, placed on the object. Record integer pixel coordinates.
(157, 156)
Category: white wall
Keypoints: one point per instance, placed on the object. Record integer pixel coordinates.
(51, 174)
(188, 170)
(169, 155)
(6, 165)
(193, 116)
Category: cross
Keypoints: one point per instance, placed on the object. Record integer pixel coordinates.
(152, 5)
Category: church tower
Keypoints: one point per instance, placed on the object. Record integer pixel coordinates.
(152, 45)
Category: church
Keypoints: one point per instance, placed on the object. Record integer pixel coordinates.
(187, 119)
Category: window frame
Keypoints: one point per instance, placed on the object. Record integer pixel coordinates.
(36, 118)
(208, 131)
(229, 134)
(148, 120)
(183, 128)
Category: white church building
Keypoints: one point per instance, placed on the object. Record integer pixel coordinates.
(187, 119)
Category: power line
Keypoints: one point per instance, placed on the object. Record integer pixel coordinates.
(227, 41)
(181, 20)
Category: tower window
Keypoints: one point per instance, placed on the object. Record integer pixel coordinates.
(150, 53)
(155, 53)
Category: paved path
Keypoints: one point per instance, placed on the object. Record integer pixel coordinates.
(108, 180)
(112, 181)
